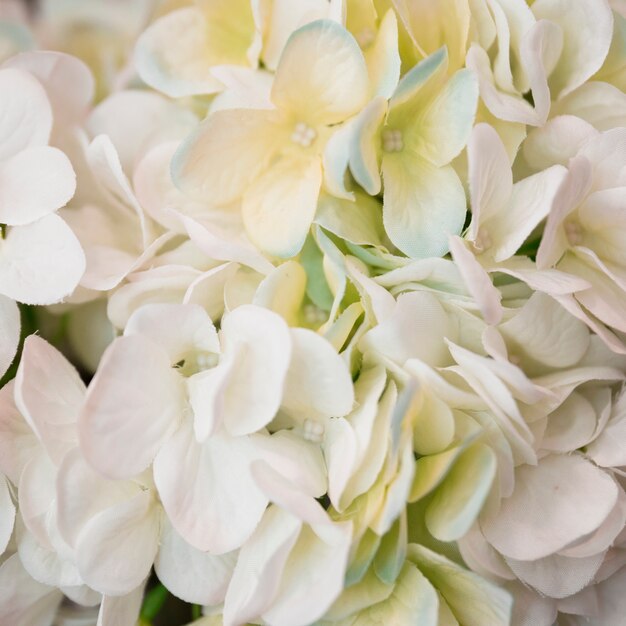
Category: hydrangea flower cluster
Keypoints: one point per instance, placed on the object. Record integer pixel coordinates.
(313, 312)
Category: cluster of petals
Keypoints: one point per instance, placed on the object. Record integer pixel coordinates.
(313, 312)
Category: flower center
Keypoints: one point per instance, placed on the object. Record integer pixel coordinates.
(313, 431)
(392, 140)
(573, 232)
(303, 135)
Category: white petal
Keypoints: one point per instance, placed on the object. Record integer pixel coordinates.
(415, 330)
(318, 383)
(335, 85)
(117, 547)
(67, 80)
(490, 175)
(570, 426)
(40, 263)
(33, 183)
(208, 491)
(25, 113)
(260, 565)
(486, 295)
(7, 514)
(179, 329)
(9, 332)
(134, 401)
(121, 610)
(49, 394)
(18, 443)
(194, 576)
(313, 575)
(587, 27)
(262, 346)
(554, 504)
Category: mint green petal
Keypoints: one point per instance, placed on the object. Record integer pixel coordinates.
(444, 128)
(433, 65)
(365, 149)
(458, 501)
(473, 600)
(422, 206)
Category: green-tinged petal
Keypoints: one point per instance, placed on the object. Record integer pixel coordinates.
(174, 55)
(280, 205)
(442, 130)
(413, 601)
(433, 67)
(391, 554)
(460, 497)
(365, 150)
(226, 153)
(433, 24)
(430, 471)
(322, 76)
(383, 58)
(359, 221)
(423, 205)
(474, 601)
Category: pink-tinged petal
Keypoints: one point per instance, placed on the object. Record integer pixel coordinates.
(67, 80)
(7, 514)
(318, 383)
(557, 141)
(190, 574)
(555, 503)
(181, 330)
(490, 175)
(49, 394)
(570, 194)
(9, 332)
(609, 448)
(532, 199)
(587, 27)
(121, 610)
(116, 549)
(260, 566)
(18, 443)
(25, 113)
(133, 402)
(570, 426)
(279, 206)
(136, 120)
(82, 493)
(477, 280)
(207, 489)
(40, 263)
(36, 494)
(335, 85)
(24, 601)
(33, 183)
(557, 576)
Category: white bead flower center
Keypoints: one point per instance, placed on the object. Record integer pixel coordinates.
(303, 135)
(313, 431)
(392, 140)
(574, 233)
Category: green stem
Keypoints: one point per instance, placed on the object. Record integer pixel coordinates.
(153, 602)
(196, 611)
